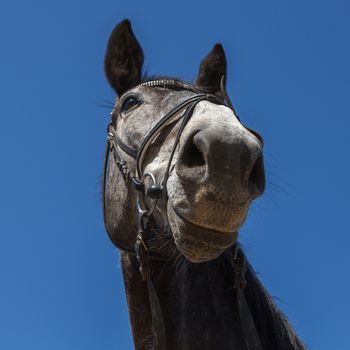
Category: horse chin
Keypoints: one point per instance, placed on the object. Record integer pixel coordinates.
(198, 244)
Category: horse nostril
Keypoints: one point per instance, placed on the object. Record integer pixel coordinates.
(256, 180)
(192, 157)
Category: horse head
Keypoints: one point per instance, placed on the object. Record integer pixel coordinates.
(209, 167)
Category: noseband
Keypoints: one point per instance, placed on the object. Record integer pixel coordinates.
(157, 190)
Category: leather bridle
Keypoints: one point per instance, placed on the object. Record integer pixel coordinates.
(157, 190)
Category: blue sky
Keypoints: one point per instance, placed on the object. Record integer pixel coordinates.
(61, 286)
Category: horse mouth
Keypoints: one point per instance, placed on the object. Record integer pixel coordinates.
(198, 243)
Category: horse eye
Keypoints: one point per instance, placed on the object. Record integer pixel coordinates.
(129, 103)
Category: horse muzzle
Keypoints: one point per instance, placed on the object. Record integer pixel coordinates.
(219, 172)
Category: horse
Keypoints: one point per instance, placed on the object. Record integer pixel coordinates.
(180, 173)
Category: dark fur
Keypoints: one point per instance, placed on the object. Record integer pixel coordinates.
(200, 308)
(198, 302)
(124, 58)
(211, 70)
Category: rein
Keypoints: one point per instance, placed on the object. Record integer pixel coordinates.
(156, 191)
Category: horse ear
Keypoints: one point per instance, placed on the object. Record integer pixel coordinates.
(212, 69)
(124, 58)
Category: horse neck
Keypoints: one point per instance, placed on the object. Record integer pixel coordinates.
(200, 308)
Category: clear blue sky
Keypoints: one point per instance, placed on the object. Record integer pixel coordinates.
(60, 278)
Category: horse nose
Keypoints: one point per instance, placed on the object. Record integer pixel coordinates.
(229, 158)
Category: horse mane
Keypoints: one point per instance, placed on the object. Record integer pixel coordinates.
(272, 325)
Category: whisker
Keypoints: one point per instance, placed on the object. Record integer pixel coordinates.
(178, 265)
(104, 106)
(108, 102)
(182, 265)
(166, 266)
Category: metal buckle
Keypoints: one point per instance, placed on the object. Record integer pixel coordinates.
(141, 248)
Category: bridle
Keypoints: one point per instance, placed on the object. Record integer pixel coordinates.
(182, 113)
